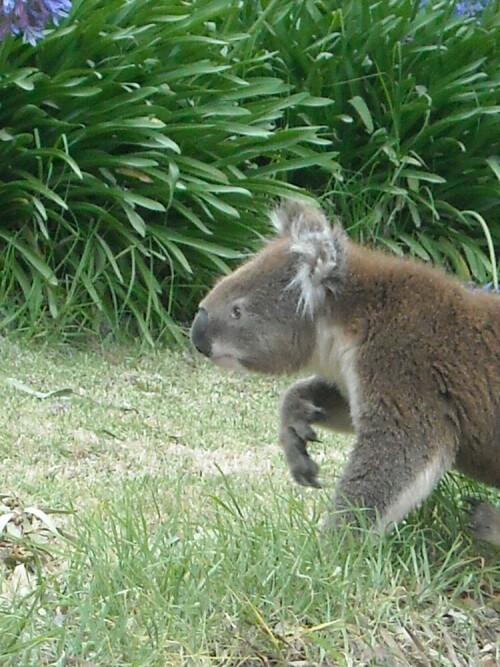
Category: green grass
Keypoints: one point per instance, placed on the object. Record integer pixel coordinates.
(186, 543)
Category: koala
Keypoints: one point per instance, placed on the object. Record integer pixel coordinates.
(394, 350)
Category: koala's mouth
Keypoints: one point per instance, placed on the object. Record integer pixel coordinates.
(227, 361)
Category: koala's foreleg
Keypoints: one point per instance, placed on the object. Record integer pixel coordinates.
(389, 474)
(311, 401)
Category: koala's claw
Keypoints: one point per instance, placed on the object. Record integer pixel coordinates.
(305, 472)
(297, 414)
(294, 439)
(304, 432)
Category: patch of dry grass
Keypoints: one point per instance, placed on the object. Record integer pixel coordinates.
(128, 416)
(185, 541)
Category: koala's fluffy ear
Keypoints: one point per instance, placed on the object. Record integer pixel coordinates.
(321, 251)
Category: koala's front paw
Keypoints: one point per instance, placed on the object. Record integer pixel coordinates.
(298, 412)
(485, 522)
(305, 471)
(294, 437)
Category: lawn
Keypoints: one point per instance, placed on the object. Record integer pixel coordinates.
(148, 519)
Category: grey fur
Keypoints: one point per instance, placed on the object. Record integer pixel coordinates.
(401, 354)
(485, 523)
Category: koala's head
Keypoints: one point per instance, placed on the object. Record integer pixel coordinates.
(262, 317)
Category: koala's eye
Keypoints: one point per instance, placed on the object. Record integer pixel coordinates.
(236, 312)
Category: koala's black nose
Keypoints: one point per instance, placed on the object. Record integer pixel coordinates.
(199, 335)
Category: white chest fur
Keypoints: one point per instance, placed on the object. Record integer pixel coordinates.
(335, 360)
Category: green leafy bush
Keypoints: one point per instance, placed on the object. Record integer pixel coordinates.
(138, 153)
(141, 144)
(415, 118)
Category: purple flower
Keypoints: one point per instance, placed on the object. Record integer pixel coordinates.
(469, 8)
(465, 8)
(30, 17)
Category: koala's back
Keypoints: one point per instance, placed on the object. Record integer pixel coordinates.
(431, 348)
(479, 453)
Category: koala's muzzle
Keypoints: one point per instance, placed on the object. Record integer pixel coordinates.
(199, 333)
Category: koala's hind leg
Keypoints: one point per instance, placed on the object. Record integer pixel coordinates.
(485, 523)
(311, 401)
(389, 475)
